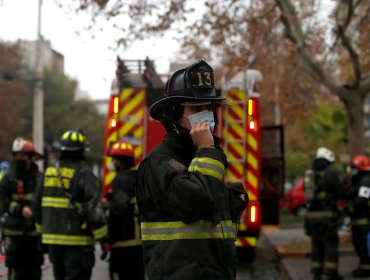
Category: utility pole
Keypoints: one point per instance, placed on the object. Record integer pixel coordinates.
(38, 99)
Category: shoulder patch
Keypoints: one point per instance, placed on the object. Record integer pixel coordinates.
(364, 192)
(177, 165)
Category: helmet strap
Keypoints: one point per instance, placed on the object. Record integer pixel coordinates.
(177, 128)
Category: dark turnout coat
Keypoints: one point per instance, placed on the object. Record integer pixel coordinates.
(188, 215)
(62, 221)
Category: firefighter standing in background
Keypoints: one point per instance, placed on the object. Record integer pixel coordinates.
(23, 248)
(359, 208)
(188, 215)
(68, 210)
(126, 255)
(4, 167)
(323, 214)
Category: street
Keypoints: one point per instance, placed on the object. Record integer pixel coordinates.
(282, 254)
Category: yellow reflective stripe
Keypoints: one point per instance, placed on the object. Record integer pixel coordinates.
(100, 232)
(322, 195)
(252, 241)
(364, 266)
(316, 265)
(360, 222)
(60, 239)
(64, 171)
(26, 196)
(180, 230)
(12, 206)
(10, 232)
(330, 265)
(38, 227)
(55, 202)
(126, 243)
(55, 182)
(320, 214)
(207, 166)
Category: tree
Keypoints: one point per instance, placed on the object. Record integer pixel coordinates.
(64, 111)
(241, 34)
(351, 25)
(324, 127)
(15, 95)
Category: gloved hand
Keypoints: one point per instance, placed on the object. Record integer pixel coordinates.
(238, 200)
(105, 247)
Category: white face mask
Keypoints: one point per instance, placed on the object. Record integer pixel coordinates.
(204, 116)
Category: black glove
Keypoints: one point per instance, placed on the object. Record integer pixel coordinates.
(238, 200)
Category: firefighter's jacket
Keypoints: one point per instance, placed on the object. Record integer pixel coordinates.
(123, 219)
(328, 189)
(16, 192)
(359, 199)
(77, 220)
(187, 226)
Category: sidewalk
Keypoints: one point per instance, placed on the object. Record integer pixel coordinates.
(292, 247)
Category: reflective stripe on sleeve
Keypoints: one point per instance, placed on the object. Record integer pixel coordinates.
(207, 166)
(59, 239)
(180, 230)
(100, 232)
(12, 207)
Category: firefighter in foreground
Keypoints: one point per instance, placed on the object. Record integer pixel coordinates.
(23, 248)
(323, 188)
(188, 215)
(359, 208)
(126, 254)
(68, 211)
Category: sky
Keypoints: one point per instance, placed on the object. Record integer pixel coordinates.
(87, 55)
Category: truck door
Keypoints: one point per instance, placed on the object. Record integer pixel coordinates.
(272, 173)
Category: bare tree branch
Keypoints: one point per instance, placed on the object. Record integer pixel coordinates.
(353, 54)
(295, 34)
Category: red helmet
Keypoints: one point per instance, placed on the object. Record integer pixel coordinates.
(23, 145)
(121, 149)
(361, 162)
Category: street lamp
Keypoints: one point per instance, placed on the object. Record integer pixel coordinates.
(38, 101)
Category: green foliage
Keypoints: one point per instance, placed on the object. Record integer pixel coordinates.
(63, 111)
(324, 127)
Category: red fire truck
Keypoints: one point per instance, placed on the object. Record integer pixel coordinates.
(138, 86)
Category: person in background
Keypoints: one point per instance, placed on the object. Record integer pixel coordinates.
(24, 256)
(126, 254)
(322, 214)
(359, 209)
(188, 214)
(68, 210)
(4, 167)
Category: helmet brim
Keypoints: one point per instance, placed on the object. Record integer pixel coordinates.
(158, 108)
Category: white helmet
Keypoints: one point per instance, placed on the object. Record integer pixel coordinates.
(325, 153)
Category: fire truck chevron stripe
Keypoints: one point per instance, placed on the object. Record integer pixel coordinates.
(238, 110)
(237, 130)
(109, 177)
(139, 132)
(246, 241)
(252, 160)
(252, 142)
(132, 104)
(252, 179)
(111, 138)
(132, 124)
